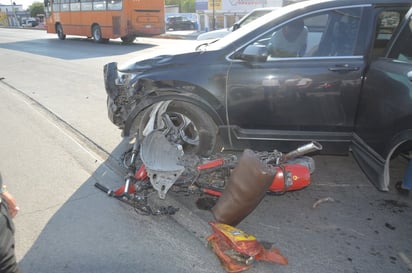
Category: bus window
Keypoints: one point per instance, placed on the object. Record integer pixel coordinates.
(75, 5)
(99, 5)
(86, 5)
(114, 5)
(56, 5)
(65, 5)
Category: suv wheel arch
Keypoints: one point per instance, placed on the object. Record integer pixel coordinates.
(195, 107)
(401, 144)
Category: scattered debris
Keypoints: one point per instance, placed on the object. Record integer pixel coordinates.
(206, 203)
(390, 226)
(323, 200)
(157, 164)
(237, 250)
(394, 203)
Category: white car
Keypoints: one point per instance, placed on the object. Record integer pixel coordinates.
(29, 23)
(219, 33)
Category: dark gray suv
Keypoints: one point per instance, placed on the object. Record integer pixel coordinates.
(349, 87)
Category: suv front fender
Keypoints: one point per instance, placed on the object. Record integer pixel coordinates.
(186, 97)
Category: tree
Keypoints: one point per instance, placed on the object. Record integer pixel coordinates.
(184, 5)
(36, 8)
(188, 6)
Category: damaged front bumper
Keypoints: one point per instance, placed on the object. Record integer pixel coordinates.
(127, 86)
(120, 94)
(116, 95)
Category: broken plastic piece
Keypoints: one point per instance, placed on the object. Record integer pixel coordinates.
(230, 261)
(239, 240)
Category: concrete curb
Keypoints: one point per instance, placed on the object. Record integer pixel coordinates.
(184, 217)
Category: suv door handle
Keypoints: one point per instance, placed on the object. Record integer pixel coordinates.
(343, 68)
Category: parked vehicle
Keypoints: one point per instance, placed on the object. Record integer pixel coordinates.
(350, 90)
(219, 33)
(29, 23)
(179, 23)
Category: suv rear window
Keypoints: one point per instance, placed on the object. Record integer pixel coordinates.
(387, 23)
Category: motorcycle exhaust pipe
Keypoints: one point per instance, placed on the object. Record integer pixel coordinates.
(302, 150)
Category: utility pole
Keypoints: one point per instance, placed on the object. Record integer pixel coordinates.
(213, 14)
(13, 4)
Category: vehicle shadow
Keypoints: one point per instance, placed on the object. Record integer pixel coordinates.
(67, 49)
(91, 232)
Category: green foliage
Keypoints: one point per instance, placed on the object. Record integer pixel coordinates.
(4, 19)
(36, 8)
(186, 6)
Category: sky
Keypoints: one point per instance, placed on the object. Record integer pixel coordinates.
(24, 3)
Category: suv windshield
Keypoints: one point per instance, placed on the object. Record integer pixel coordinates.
(253, 16)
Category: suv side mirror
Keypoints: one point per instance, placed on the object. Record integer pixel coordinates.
(236, 26)
(255, 53)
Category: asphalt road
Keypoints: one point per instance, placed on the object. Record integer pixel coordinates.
(355, 229)
(54, 145)
(65, 223)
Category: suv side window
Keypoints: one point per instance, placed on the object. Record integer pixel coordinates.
(402, 49)
(330, 33)
(388, 21)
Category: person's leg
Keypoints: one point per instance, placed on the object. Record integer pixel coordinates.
(407, 180)
(8, 263)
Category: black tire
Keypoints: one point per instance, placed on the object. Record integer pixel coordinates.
(60, 32)
(200, 133)
(97, 34)
(128, 39)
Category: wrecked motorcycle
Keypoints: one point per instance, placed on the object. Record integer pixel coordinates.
(157, 165)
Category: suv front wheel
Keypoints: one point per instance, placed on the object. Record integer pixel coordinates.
(185, 124)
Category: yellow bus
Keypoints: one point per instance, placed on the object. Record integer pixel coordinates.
(103, 20)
